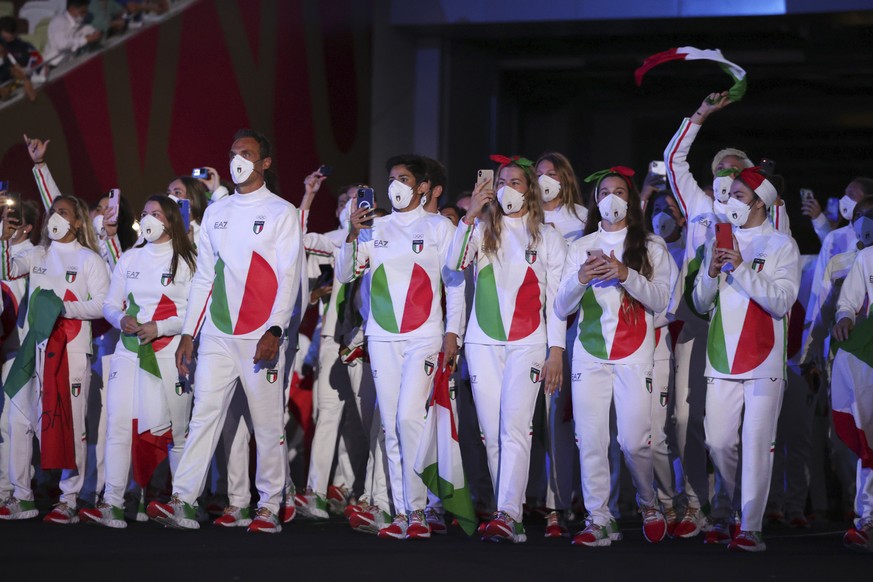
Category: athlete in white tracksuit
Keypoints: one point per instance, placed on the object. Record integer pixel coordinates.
(242, 296)
(146, 301)
(748, 291)
(560, 194)
(701, 213)
(514, 341)
(406, 259)
(852, 377)
(77, 276)
(614, 356)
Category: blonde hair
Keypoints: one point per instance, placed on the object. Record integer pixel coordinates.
(747, 163)
(85, 234)
(570, 193)
(492, 215)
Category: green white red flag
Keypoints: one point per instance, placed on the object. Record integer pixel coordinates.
(690, 53)
(438, 461)
(852, 391)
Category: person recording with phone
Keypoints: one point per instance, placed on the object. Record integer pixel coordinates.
(617, 277)
(195, 191)
(747, 284)
(405, 331)
(514, 342)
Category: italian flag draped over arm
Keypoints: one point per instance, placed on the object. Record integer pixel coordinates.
(852, 391)
(438, 461)
(689, 53)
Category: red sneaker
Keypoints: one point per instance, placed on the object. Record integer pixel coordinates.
(654, 524)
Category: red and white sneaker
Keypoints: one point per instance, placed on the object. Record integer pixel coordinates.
(370, 520)
(436, 521)
(234, 517)
(265, 522)
(396, 529)
(337, 498)
(63, 514)
(555, 528)
(748, 541)
(14, 509)
(593, 536)
(418, 528)
(689, 525)
(672, 520)
(718, 533)
(860, 538)
(654, 524)
(104, 514)
(351, 508)
(504, 528)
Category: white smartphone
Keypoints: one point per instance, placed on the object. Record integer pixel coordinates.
(595, 253)
(658, 168)
(114, 197)
(485, 176)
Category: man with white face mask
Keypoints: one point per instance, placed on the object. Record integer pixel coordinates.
(242, 297)
(67, 33)
(747, 290)
(405, 331)
(700, 212)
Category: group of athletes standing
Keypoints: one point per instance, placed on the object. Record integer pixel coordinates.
(634, 305)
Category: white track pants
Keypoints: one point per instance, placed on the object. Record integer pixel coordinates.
(663, 454)
(595, 385)
(791, 461)
(220, 362)
(863, 495)
(338, 414)
(506, 380)
(561, 439)
(376, 478)
(5, 444)
(689, 405)
(120, 411)
(236, 438)
(744, 411)
(22, 433)
(402, 388)
(470, 436)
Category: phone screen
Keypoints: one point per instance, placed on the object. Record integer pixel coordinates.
(13, 201)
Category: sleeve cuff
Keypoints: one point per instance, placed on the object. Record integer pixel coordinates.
(844, 314)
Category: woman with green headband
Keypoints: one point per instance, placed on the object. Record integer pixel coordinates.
(617, 277)
(514, 341)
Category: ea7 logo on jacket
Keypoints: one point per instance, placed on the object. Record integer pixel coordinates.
(258, 226)
(222, 225)
(380, 243)
(39, 270)
(71, 276)
(417, 246)
(530, 256)
(132, 274)
(703, 221)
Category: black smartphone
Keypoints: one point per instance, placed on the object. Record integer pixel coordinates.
(365, 200)
(325, 171)
(768, 166)
(326, 277)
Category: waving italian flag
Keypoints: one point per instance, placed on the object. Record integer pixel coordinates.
(689, 53)
(438, 461)
(852, 392)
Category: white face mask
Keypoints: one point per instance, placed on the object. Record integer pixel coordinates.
(864, 230)
(98, 224)
(510, 199)
(58, 226)
(550, 187)
(240, 169)
(400, 194)
(721, 188)
(720, 210)
(151, 228)
(612, 208)
(737, 212)
(663, 224)
(847, 207)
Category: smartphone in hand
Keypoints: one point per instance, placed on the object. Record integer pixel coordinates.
(724, 236)
(114, 200)
(365, 200)
(485, 176)
(185, 210)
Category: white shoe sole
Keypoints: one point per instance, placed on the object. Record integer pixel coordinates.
(70, 521)
(237, 523)
(29, 514)
(597, 544)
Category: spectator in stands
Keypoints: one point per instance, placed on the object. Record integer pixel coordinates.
(107, 16)
(67, 32)
(22, 51)
(12, 77)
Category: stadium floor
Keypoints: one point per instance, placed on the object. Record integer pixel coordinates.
(330, 550)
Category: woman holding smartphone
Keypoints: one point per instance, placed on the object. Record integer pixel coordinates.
(147, 402)
(514, 341)
(68, 281)
(617, 277)
(747, 283)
